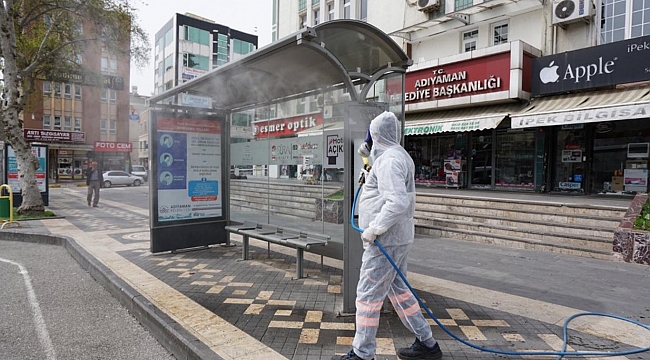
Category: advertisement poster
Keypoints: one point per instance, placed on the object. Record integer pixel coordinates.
(189, 169)
(571, 156)
(12, 168)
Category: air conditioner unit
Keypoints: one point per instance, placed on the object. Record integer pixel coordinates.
(568, 11)
(428, 5)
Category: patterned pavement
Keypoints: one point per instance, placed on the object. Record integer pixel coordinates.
(287, 318)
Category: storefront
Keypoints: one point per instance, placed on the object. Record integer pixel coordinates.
(598, 139)
(67, 153)
(465, 138)
(113, 155)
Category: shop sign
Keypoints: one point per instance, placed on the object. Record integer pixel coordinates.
(565, 185)
(573, 127)
(625, 112)
(190, 73)
(453, 126)
(571, 156)
(604, 127)
(596, 66)
(288, 126)
(134, 115)
(203, 102)
(111, 146)
(54, 135)
(476, 76)
(88, 78)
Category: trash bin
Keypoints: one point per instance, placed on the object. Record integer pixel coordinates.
(4, 208)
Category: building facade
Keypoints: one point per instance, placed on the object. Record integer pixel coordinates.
(482, 94)
(188, 46)
(83, 116)
(138, 116)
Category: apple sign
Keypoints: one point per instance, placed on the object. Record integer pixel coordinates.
(549, 74)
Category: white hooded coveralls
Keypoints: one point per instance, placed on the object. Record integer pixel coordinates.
(386, 206)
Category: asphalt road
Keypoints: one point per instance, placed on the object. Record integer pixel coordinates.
(50, 308)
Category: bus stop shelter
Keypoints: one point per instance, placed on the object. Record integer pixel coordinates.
(271, 138)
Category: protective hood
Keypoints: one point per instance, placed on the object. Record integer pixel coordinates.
(385, 132)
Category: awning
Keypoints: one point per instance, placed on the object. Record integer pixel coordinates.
(594, 106)
(466, 119)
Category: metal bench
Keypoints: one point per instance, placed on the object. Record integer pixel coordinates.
(299, 240)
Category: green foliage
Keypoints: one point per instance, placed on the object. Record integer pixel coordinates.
(336, 196)
(642, 221)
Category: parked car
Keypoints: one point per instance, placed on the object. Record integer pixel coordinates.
(121, 178)
(141, 171)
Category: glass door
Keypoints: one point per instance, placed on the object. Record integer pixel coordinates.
(481, 159)
(570, 164)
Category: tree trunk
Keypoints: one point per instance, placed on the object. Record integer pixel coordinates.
(27, 164)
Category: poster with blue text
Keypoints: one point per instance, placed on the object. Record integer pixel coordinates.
(189, 169)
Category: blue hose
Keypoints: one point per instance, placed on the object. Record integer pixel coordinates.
(559, 354)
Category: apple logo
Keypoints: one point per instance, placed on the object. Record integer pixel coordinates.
(549, 74)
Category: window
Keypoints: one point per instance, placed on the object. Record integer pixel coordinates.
(624, 20)
(79, 59)
(113, 95)
(77, 91)
(300, 108)
(196, 35)
(47, 88)
(103, 126)
(222, 47)
(169, 63)
(169, 84)
(242, 47)
(57, 123)
(57, 89)
(77, 124)
(47, 122)
(317, 16)
(113, 126)
(462, 4)
(346, 9)
(469, 40)
(302, 21)
(196, 62)
(67, 123)
(500, 33)
(113, 65)
(104, 63)
(169, 37)
(313, 103)
(330, 11)
(363, 10)
(67, 91)
(104, 95)
(302, 5)
(315, 2)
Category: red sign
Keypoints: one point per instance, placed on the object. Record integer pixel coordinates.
(110, 146)
(471, 77)
(287, 126)
(54, 135)
(189, 125)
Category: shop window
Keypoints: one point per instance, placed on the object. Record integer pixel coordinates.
(113, 128)
(57, 89)
(438, 160)
(77, 92)
(515, 160)
(77, 124)
(103, 126)
(67, 91)
(57, 123)
(47, 88)
(47, 122)
(104, 95)
(569, 165)
(67, 123)
(469, 40)
(500, 34)
(481, 158)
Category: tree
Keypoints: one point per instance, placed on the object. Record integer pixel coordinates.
(42, 38)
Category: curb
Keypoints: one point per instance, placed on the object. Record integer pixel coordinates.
(171, 335)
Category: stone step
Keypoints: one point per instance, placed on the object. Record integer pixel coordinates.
(284, 206)
(516, 212)
(275, 211)
(527, 205)
(542, 236)
(285, 191)
(559, 227)
(513, 242)
(274, 198)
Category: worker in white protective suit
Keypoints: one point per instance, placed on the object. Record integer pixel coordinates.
(386, 208)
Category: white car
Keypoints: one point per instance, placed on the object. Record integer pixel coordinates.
(121, 178)
(139, 170)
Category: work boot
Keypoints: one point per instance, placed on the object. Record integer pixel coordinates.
(419, 351)
(349, 356)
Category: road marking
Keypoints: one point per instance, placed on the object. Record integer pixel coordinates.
(41, 328)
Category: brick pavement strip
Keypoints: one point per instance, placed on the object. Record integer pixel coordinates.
(253, 309)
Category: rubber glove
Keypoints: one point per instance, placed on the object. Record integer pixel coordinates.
(368, 236)
(363, 175)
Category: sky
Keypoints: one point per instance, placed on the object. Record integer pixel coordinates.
(250, 16)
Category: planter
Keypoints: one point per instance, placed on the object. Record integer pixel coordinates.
(329, 210)
(632, 245)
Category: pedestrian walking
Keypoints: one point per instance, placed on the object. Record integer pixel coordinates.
(94, 182)
(386, 209)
